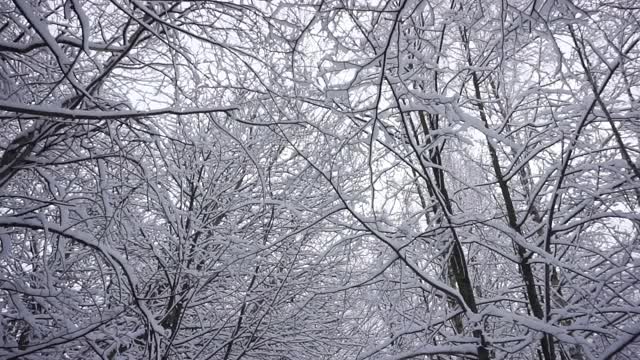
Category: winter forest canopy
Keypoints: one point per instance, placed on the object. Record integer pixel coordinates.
(335, 179)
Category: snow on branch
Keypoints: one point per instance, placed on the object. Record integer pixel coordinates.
(41, 110)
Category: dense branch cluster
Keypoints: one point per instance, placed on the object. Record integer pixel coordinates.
(401, 179)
